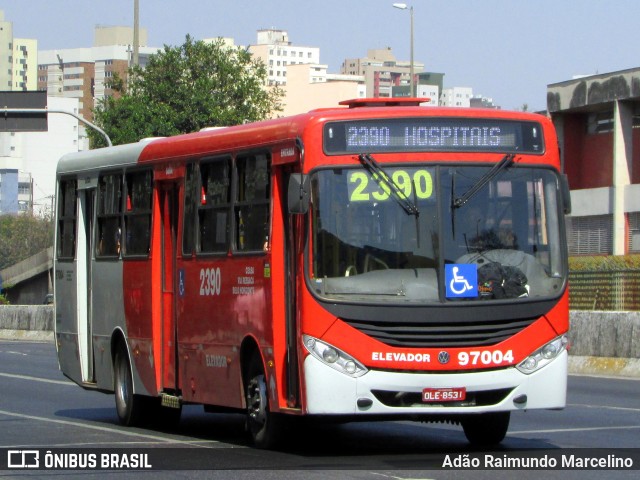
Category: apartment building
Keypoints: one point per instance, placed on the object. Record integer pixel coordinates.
(83, 73)
(382, 71)
(278, 53)
(18, 59)
(456, 97)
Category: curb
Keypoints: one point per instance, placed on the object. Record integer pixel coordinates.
(605, 366)
(27, 335)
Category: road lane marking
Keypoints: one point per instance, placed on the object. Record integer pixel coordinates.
(98, 427)
(37, 379)
(566, 430)
(607, 407)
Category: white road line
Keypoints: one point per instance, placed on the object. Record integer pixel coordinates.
(37, 379)
(96, 427)
(194, 443)
(604, 407)
(566, 430)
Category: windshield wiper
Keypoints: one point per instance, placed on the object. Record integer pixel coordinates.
(486, 178)
(380, 176)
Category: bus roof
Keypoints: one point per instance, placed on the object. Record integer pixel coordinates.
(268, 132)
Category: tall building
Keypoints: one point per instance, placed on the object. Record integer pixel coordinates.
(18, 59)
(381, 71)
(456, 97)
(598, 122)
(277, 53)
(83, 73)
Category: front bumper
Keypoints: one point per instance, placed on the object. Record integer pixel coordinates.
(330, 392)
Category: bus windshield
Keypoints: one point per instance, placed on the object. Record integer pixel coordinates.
(502, 243)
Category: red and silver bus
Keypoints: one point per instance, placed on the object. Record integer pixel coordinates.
(375, 261)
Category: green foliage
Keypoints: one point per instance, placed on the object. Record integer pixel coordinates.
(604, 263)
(22, 236)
(184, 89)
(3, 300)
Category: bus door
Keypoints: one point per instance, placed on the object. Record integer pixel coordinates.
(84, 254)
(169, 204)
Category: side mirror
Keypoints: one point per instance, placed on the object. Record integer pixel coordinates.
(566, 193)
(298, 193)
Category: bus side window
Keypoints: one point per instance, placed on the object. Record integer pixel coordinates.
(191, 196)
(138, 213)
(252, 204)
(67, 219)
(109, 215)
(213, 209)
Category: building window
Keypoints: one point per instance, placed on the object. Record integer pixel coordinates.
(590, 235)
(600, 122)
(634, 232)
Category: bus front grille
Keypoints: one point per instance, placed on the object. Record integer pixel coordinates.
(437, 335)
(414, 399)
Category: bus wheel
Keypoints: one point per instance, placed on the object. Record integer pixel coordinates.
(128, 405)
(487, 428)
(264, 427)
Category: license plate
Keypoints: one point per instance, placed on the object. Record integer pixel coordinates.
(455, 394)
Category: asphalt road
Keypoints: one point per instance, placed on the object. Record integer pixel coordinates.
(41, 410)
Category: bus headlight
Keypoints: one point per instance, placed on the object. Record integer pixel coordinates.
(543, 355)
(333, 357)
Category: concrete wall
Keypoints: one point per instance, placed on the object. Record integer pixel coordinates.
(605, 334)
(27, 317)
(593, 333)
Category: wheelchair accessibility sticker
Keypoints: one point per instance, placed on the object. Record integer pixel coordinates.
(461, 280)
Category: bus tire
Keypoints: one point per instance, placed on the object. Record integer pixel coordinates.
(486, 429)
(264, 427)
(128, 405)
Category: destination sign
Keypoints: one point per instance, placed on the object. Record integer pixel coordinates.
(433, 134)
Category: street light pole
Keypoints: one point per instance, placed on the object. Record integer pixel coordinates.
(404, 6)
(136, 32)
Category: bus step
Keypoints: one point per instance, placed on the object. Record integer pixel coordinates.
(170, 401)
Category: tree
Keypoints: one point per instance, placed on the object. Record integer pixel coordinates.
(22, 236)
(184, 89)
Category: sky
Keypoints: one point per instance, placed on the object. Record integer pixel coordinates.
(507, 50)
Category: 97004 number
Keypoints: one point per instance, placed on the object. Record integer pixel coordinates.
(485, 357)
